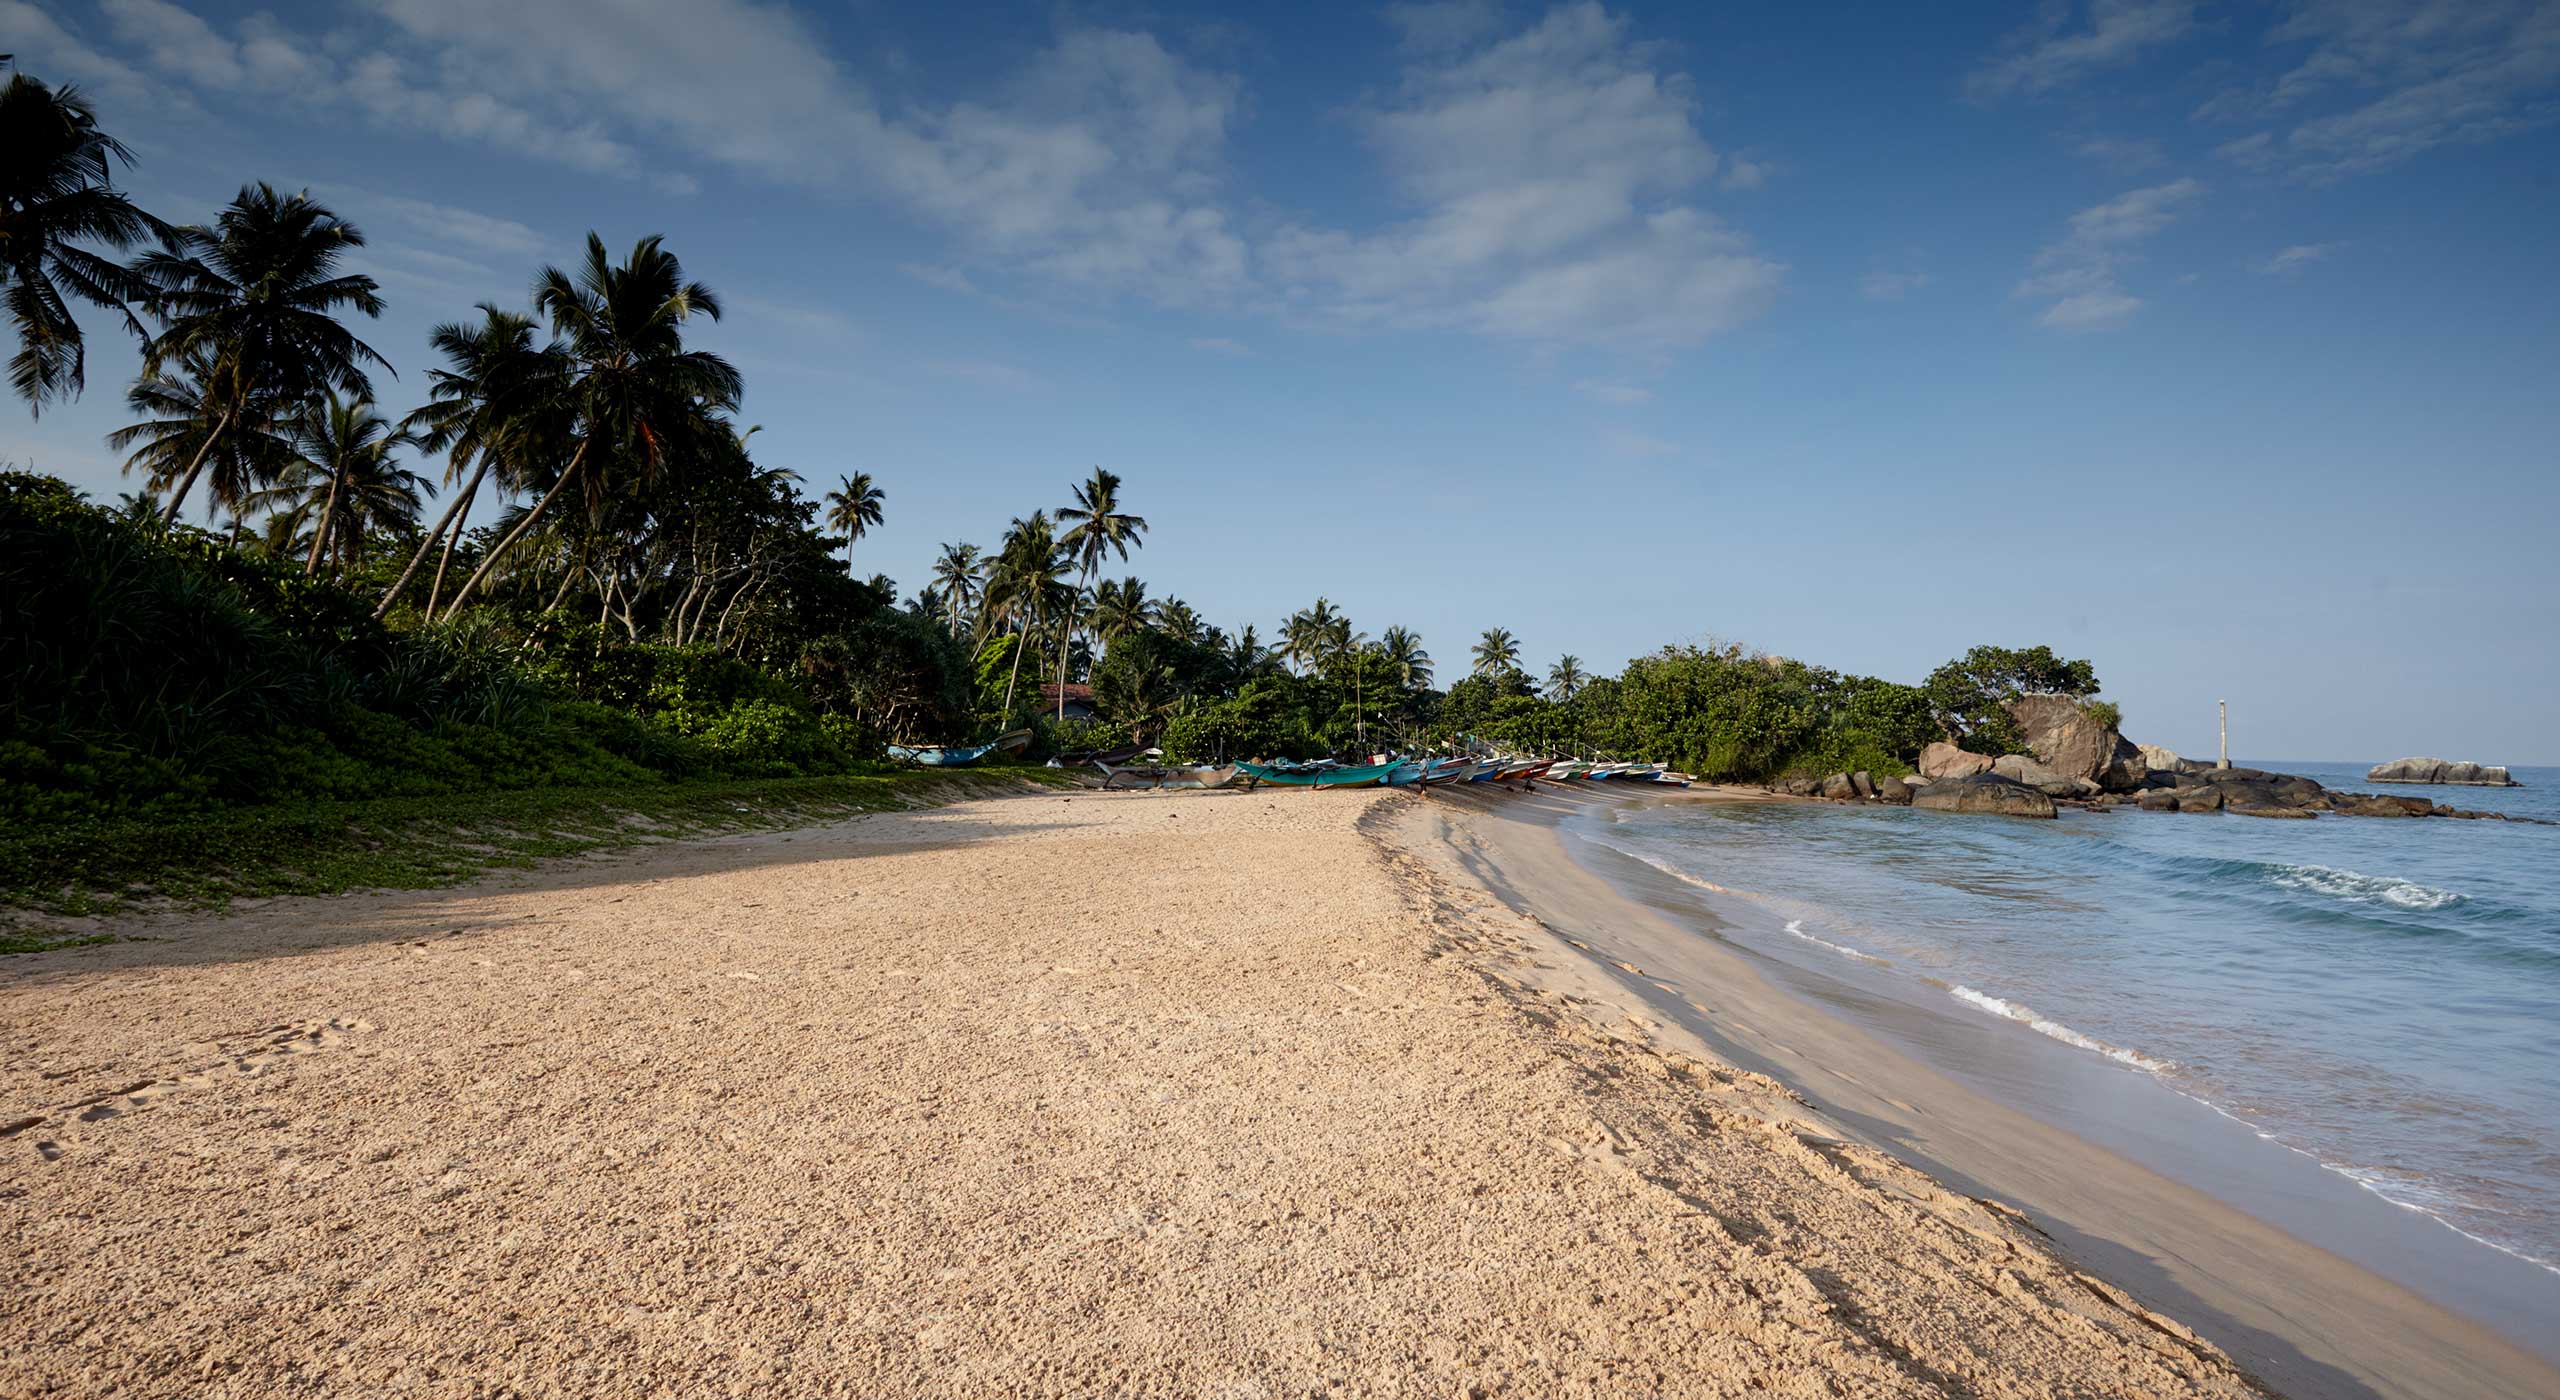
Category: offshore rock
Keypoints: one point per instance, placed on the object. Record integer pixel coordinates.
(2018, 768)
(1984, 793)
(2436, 770)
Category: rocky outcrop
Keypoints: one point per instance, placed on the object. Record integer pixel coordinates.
(2065, 738)
(1838, 788)
(2436, 770)
(2018, 768)
(1945, 760)
(1893, 790)
(1984, 793)
(2202, 798)
(2159, 756)
(1863, 783)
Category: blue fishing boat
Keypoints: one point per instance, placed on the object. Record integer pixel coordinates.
(956, 756)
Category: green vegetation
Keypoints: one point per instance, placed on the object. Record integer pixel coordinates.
(622, 621)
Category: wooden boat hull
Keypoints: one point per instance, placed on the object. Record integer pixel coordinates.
(940, 756)
(1160, 776)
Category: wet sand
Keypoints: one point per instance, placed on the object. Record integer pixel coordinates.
(1200, 1094)
(2308, 1322)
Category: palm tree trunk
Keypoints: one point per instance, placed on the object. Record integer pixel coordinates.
(320, 536)
(1014, 674)
(1066, 636)
(568, 473)
(452, 515)
(188, 482)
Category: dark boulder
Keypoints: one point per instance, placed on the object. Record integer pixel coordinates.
(2159, 800)
(2204, 797)
(1863, 783)
(1838, 788)
(1893, 790)
(1984, 793)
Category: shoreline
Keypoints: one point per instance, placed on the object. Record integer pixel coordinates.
(2308, 1321)
(1174, 1093)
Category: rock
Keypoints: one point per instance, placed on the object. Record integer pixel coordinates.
(1838, 788)
(2436, 770)
(1863, 782)
(2204, 797)
(1984, 792)
(2158, 800)
(2303, 813)
(2159, 756)
(2062, 736)
(2018, 768)
(1893, 790)
(2125, 769)
(2379, 804)
(1914, 781)
(1945, 760)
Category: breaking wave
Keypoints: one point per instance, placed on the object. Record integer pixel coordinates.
(2011, 1011)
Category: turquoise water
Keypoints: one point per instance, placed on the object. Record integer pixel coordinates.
(2381, 996)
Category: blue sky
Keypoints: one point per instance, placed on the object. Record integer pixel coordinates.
(2215, 343)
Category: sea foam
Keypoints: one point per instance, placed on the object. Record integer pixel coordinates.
(2358, 887)
(2011, 1011)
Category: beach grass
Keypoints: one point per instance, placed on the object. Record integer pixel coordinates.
(322, 848)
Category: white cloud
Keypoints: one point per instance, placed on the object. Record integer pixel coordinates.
(2301, 255)
(47, 50)
(444, 224)
(1547, 174)
(1220, 345)
(2077, 276)
(2054, 51)
(1549, 178)
(2383, 81)
(1627, 442)
(1617, 395)
(1438, 26)
(1745, 174)
(1892, 286)
(949, 279)
(2124, 154)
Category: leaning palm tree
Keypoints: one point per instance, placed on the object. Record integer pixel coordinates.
(853, 510)
(177, 435)
(1246, 655)
(479, 415)
(257, 296)
(633, 395)
(1098, 527)
(342, 479)
(1402, 647)
(1566, 678)
(956, 578)
(1176, 618)
(57, 191)
(1496, 652)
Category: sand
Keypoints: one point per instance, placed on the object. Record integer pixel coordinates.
(1127, 1094)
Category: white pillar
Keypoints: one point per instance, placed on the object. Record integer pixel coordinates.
(2226, 733)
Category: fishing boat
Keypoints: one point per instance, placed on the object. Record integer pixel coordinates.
(1447, 770)
(1408, 772)
(960, 756)
(1332, 776)
(1527, 768)
(1159, 775)
(1567, 771)
(1097, 757)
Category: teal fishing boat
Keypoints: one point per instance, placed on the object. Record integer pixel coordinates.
(1365, 775)
(952, 756)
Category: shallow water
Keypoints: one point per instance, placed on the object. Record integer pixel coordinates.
(2382, 996)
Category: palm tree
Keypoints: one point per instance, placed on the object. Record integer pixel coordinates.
(625, 382)
(479, 415)
(1122, 609)
(1246, 655)
(1176, 618)
(955, 574)
(343, 481)
(57, 189)
(1403, 649)
(256, 295)
(854, 510)
(1306, 635)
(1027, 586)
(1566, 677)
(1498, 651)
(1099, 527)
(177, 435)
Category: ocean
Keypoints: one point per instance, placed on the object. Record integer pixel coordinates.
(2379, 996)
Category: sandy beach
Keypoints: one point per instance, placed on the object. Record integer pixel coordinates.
(1098, 1094)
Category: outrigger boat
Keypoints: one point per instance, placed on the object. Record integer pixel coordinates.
(1204, 775)
(1332, 775)
(953, 756)
(1100, 758)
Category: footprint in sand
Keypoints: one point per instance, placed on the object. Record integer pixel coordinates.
(283, 1043)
